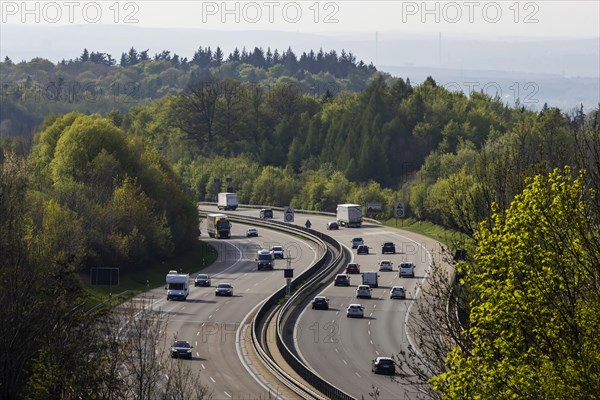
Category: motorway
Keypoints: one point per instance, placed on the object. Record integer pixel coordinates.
(340, 349)
(211, 323)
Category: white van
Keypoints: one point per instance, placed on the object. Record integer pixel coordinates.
(407, 269)
(370, 278)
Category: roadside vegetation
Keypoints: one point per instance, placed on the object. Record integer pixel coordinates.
(119, 188)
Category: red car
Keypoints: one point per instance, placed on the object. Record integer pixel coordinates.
(353, 268)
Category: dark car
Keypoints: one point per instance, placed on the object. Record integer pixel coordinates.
(342, 280)
(320, 303)
(181, 349)
(388, 247)
(202, 280)
(353, 268)
(362, 249)
(224, 289)
(383, 365)
(266, 213)
(332, 226)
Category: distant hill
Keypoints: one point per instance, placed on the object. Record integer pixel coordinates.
(566, 72)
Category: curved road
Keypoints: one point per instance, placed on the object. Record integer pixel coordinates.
(211, 323)
(340, 349)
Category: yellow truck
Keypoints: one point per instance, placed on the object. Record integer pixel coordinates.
(218, 226)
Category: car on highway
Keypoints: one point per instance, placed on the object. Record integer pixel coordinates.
(277, 251)
(383, 365)
(224, 289)
(251, 232)
(320, 303)
(388, 247)
(397, 292)
(202, 280)
(332, 225)
(353, 268)
(406, 269)
(363, 291)
(362, 249)
(355, 310)
(266, 213)
(357, 241)
(386, 265)
(341, 280)
(181, 349)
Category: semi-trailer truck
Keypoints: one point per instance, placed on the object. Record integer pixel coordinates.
(227, 201)
(218, 226)
(349, 215)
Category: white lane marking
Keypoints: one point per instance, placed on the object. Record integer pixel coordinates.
(369, 323)
(197, 354)
(203, 367)
(210, 316)
(198, 334)
(371, 342)
(211, 378)
(344, 361)
(228, 395)
(337, 351)
(357, 374)
(369, 332)
(376, 352)
(196, 343)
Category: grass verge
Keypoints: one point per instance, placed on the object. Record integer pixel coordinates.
(199, 257)
(451, 239)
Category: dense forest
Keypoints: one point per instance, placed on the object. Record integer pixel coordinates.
(101, 183)
(94, 82)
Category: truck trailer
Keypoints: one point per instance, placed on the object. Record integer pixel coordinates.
(227, 201)
(218, 226)
(177, 286)
(349, 215)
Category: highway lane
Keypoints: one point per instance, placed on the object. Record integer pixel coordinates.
(340, 349)
(210, 323)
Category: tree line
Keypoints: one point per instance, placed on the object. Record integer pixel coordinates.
(93, 82)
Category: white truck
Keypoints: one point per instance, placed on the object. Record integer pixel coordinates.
(349, 215)
(227, 201)
(218, 226)
(370, 278)
(265, 259)
(177, 286)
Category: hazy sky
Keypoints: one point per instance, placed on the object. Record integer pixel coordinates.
(549, 18)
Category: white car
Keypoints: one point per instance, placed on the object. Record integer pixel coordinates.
(355, 310)
(386, 265)
(397, 292)
(406, 269)
(277, 251)
(251, 232)
(363, 291)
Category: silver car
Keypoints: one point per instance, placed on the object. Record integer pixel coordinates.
(363, 291)
(397, 292)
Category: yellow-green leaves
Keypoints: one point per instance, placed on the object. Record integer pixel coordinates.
(535, 304)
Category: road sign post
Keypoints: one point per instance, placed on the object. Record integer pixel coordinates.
(288, 214)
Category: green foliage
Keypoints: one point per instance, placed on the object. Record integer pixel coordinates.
(535, 308)
(127, 200)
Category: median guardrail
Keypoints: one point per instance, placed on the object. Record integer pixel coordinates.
(301, 285)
